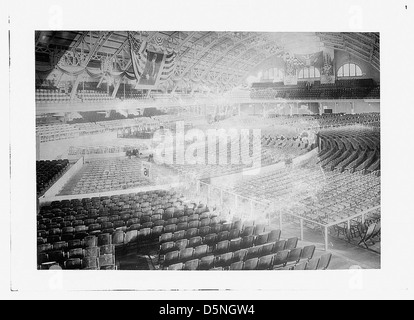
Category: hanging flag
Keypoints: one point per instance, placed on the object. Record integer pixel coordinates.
(328, 69)
(169, 67)
(138, 55)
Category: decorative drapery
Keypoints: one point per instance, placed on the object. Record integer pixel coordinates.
(93, 73)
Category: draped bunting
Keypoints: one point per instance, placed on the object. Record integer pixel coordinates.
(93, 73)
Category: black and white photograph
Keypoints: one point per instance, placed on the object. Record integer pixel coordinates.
(254, 151)
(177, 150)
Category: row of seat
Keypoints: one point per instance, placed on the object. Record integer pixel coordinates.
(231, 250)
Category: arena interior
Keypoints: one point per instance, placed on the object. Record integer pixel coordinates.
(208, 150)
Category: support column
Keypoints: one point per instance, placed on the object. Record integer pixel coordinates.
(326, 239)
(75, 88)
(280, 220)
(251, 210)
(117, 85)
(301, 230)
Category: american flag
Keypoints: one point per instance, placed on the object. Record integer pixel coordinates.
(138, 55)
(169, 67)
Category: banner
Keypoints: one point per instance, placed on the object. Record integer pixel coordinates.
(291, 69)
(138, 55)
(169, 67)
(328, 69)
(152, 71)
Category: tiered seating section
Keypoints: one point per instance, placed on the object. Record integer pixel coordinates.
(107, 175)
(51, 96)
(320, 196)
(350, 149)
(83, 233)
(317, 122)
(93, 96)
(343, 89)
(88, 233)
(54, 132)
(271, 153)
(201, 242)
(48, 172)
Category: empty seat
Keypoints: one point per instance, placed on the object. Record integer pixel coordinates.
(176, 267)
(90, 241)
(222, 236)
(192, 265)
(191, 233)
(166, 237)
(300, 266)
(73, 244)
(237, 225)
(261, 239)
(210, 239)
(186, 254)
(104, 239)
(274, 236)
(195, 242)
(236, 266)
(73, 264)
(222, 247)
(156, 232)
(259, 229)
(294, 256)
(234, 234)
(108, 249)
(224, 260)
(312, 264)
(107, 260)
(144, 235)
(91, 252)
(279, 246)
(179, 235)
(247, 242)
(200, 251)
(253, 252)
(90, 263)
(76, 253)
(240, 255)
(171, 228)
(265, 262)
(62, 245)
(235, 244)
(308, 252)
(226, 226)
(291, 244)
(280, 258)
(181, 244)
(205, 222)
(194, 224)
(171, 258)
(167, 247)
(217, 228)
(42, 258)
(131, 237)
(251, 264)
(57, 256)
(206, 263)
(324, 261)
(247, 231)
(118, 238)
(203, 231)
(266, 249)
